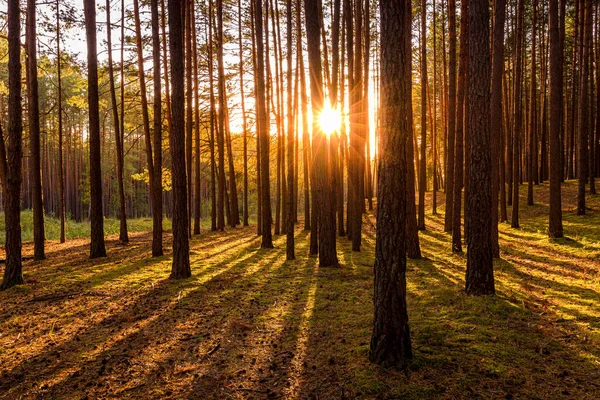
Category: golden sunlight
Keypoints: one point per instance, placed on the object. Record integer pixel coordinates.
(330, 119)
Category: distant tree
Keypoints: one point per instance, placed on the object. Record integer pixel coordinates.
(390, 338)
(423, 156)
(290, 250)
(181, 250)
(517, 114)
(97, 248)
(451, 129)
(583, 113)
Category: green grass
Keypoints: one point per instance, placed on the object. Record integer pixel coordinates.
(249, 324)
(73, 229)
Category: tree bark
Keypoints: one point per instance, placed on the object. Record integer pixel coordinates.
(13, 273)
(480, 272)
(181, 259)
(390, 338)
(423, 158)
(157, 201)
(451, 129)
(34, 133)
(97, 248)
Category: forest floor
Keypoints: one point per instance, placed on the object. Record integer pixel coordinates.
(248, 324)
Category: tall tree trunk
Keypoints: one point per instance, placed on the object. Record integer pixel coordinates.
(123, 236)
(555, 228)
(326, 228)
(181, 250)
(459, 138)
(34, 133)
(221, 125)
(434, 116)
(143, 95)
(496, 114)
(213, 191)
(263, 130)
(189, 110)
(583, 112)
(197, 191)
(367, 134)
(244, 124)
(451, 130)
(423, 158)
(13, 273)
(97, 248)
(290, 139)
(306, 145)
(61, 171)
(480, 272)
(390, 338)
(157, 201)
(518, 114)
(531, 171)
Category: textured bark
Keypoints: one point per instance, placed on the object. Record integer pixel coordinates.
(34, 133)
(123, 236)
(181, 257)
(459, 138)
(496, 114)
(306, 147)
(390, 338)
(326, 228)
(97, 248)
(13, 273)
(451, 129)
(423, 157)
(555, 228)
(518, 115)
(480, 272)
(157, 202)
(263, 133)
(189, 109)
(413, 247)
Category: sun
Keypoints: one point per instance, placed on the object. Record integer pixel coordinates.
(330, 119)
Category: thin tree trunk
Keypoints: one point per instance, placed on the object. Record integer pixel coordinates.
(290, 139)
(34, 133)
(61, 171)
(518, 114)
(532, 108)
(583, 112)
(244, 124)
(555, 227)
(157, 201)
(423, 158)
(451, 129)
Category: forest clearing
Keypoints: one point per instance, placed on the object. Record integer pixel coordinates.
(249, 324)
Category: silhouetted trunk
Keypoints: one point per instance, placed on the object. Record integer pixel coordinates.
(197, 200)
(221, 125)
(496, 132)
(583, 112)
(518, 115)
(322, 191)
(263, 130)
(306, 148)
(157, 201)
(480, 272)
(555, 228)
(34, 133)
(451, 129)
(13, 274)
(423, 158)
(181, 259)
(213, 177)
(531, 170)
(459, 138)
(244, 124)
(390, 339)
(290, 139)
(97, 248)
(189, 110)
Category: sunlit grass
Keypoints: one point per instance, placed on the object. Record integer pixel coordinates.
(251, 324)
